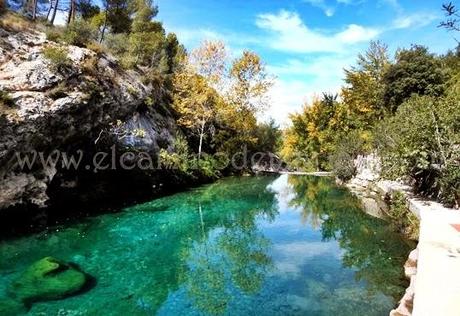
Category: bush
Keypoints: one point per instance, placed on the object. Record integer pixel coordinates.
(57, 57)
(117, 44)
(6, 100)
(14, 22)
(422, 142)
(402, 217)
(90, 66)
(54, 34)
(58, 92)
(97, 48)
(79, 33)
(347, 150)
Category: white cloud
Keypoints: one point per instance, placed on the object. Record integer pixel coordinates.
(328, 10)
(291, 257)
(306, 79)
(289, 33)
(414, 20)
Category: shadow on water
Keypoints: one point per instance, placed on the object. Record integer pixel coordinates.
(222, 249)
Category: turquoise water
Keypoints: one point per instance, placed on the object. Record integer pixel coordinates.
(288, 245)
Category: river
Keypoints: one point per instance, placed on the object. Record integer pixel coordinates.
(273, 245)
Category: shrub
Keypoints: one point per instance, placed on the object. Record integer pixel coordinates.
(14, 22)
(422, 142)
(57, 57)
(7, 105)
(179, 159)
(117, 44)
(97, 48)
(89, 66)
(58, 92)
(54, 34)
(5, 99)
(402, 217)
(347, 150)
(79, 33)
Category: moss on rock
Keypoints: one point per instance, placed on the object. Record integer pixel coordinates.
(47, 279)
(10, 307)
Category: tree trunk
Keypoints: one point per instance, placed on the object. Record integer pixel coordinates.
(71, 15)
(34, 9)
(56, 4)
(105, 26)
(201, 139)
(49, 10)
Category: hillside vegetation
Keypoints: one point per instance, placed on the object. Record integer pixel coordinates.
(214, 98)
(404, 108)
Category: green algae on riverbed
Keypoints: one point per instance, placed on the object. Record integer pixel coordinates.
(289, 245)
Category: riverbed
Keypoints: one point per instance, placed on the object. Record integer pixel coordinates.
(269, 245)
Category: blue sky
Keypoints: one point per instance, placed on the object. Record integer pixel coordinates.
(306, 43)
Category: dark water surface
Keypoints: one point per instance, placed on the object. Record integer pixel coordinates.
(288, 245)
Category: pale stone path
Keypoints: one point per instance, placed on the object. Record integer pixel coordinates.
(437, 284)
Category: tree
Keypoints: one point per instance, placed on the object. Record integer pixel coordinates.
(209, 60)
(117, 16)
(72, 11)
(54, 5)
(416, 71)
(249, 83)
(3, 6)
(195, 102)
(268, 137)
(87, 9)
(363, 92)
(452, 22)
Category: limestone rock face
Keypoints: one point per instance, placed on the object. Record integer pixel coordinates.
(60, 109)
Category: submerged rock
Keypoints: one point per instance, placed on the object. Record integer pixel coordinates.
(47, 279)
(10, 307)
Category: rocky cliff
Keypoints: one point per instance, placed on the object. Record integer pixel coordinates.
(67, 109)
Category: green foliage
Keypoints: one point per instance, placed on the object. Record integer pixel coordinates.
(311, 139)
(87, 9)
(79, 32)
(268, 137)
(416, 71)
(417, 98)
(54, 34)
(364, 89)
(402, 217)
(117, 44)
(343, 158)
(186, 163)
(179, 159)
(60, 91)
(57, 57)
(118, 15)
(6, 100)
(422, 142)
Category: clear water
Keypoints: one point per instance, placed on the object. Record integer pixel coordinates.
(288, 245)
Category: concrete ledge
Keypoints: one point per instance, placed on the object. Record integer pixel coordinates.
(437, 286)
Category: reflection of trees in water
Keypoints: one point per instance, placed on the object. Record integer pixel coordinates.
(370, 245)
(233, 258)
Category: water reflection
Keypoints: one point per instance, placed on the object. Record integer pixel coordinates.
(262, 245)
(370, 246)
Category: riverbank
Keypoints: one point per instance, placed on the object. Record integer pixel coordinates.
(433, 267)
